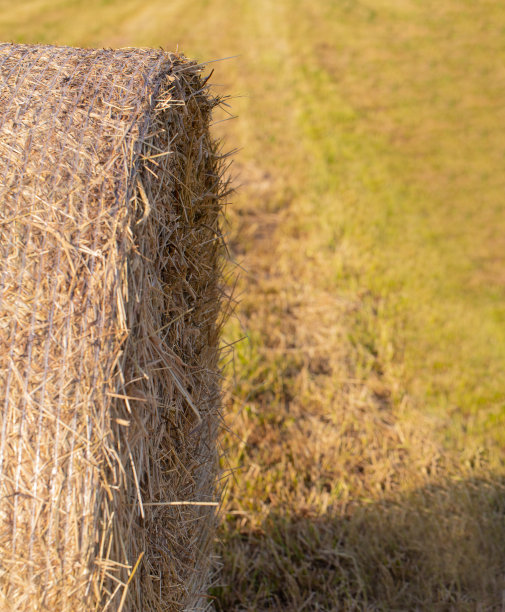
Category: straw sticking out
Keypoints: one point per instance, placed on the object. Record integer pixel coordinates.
(109, 304)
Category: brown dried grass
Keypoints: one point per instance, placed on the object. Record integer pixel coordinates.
(109, 304)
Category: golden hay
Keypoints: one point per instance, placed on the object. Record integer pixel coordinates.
(109, 303)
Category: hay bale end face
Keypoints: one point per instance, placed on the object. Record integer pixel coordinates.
(111, 196)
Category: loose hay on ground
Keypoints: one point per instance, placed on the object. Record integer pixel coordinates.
(110, 248)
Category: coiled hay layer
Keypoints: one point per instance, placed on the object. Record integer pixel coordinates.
(111, 196)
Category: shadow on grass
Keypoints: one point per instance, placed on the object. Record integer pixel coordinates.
(441, 547)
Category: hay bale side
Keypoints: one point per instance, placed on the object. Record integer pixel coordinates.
(111, 195)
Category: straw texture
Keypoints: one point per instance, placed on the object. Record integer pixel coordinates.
(111, 194)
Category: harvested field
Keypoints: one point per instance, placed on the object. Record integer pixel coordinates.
(367, 404)
(109, 304)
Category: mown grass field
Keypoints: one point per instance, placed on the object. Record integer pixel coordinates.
(367, 405)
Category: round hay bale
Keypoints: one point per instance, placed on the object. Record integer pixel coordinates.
(110, 247)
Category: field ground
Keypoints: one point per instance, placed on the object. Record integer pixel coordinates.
(367, 405)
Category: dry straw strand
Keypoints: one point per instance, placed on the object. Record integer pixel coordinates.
(110, 271)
